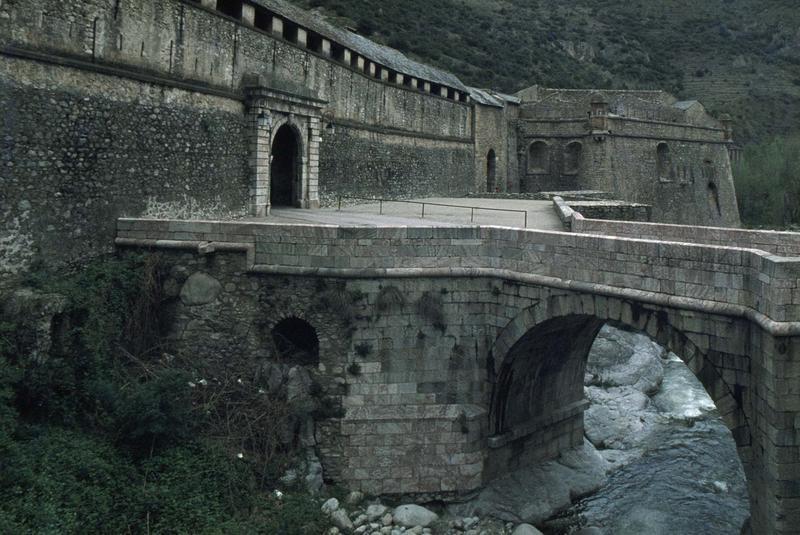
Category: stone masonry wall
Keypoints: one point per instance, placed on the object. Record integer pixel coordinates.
(183, 40)
(705, 273)
(80, 149)
(368, 164)
(492, 132)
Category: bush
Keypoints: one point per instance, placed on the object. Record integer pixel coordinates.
(65, 482)
(157, 412)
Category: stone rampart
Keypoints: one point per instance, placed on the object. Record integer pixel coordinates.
(80, 148)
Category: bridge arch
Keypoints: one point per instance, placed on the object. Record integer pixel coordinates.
(536, 370)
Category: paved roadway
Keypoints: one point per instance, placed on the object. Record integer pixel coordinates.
(541, 214)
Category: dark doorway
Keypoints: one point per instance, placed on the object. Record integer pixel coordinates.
(295, 340)
(284, 168)
(491, 171)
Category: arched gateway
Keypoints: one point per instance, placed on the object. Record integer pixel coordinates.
(286, 132)
(285, 168)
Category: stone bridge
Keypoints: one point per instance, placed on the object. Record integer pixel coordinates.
(457, 354)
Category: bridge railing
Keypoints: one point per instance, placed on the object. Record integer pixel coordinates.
(780, 243)
(424, 204)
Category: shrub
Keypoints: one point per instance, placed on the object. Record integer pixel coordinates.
(157, 412)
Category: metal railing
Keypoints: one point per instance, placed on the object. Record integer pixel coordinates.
(472, 209)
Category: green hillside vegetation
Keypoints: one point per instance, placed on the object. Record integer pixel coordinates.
(768, 184)
(736, 56)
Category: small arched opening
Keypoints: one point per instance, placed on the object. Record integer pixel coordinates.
(538, 157)
(491, 171)
(572, 158)
(295, 340)
(285, 168)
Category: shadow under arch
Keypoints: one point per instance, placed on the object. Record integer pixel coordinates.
(296, 340)
(536, 371)
(286, 168)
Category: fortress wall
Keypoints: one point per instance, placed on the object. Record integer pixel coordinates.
(378, 163)
(692, 185)
(79, 149)
(550, 173)
(181, 39)
(695, 188)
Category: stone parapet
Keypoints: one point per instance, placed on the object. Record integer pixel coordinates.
(731, 280)
(775, 242)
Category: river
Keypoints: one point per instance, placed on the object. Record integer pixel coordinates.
(675, 469)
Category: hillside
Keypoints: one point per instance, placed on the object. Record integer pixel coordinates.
(736, 56)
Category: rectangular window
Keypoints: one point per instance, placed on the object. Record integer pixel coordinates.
(315, 42)
(231, 8)
(290, 31)
(337, 51)
(263, 19)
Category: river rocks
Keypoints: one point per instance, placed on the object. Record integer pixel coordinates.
(526, 529)
(682, 400)
(616, 418)
(314, 480)
(340, 519)
(620, 358)
(534, 493)
(414, 515)
(330, 506)
(660, 440)
(375, 511)
(200, 289)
